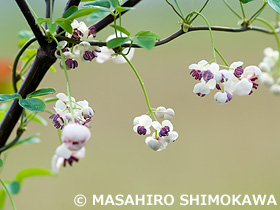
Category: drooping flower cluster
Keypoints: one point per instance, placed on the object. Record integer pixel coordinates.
(82, 51)
(270, 76)
(82, 112)
(163, 134)
(75, 134)
(235, 81)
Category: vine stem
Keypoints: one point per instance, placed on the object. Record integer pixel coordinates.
(174, 9)
(142, 85)
(276, 37)
(202, 8)
(66, 77)
(211, 36)
(242, 9)
(9, 194)
(254, 16)
(223, 59)
(231, 9)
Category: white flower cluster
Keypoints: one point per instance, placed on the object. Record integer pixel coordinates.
(82, 112)
(74, 134)
(234, 81)
(163, 134)
(268, 77)
(84, 51)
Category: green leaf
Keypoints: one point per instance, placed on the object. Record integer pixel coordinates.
(93, 17)
(2, 200)
(52, 27)
(66, 26)
(121, 29)
(8, 97)
(105, 4)
(52, 68)
(144, 41)
(1, 162)
(33, 104)
(122, 9)
(13, 187)
(81, 13)
(29, 54)
(147, 33)
(42, 20)
(115, 3)
(26, 173)
(29, 140)
(52, 99)
(245, 1)
(275, 4)
(70, 11)
(25, 34)
(41, 92)
(116, 42)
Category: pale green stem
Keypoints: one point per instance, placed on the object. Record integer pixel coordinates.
(254, 16)
(231, 9)
(9, 194)
(174, 9)
(33, 12)
(182, 14)
(211, 36)
(276, 37)
(202, 8)
(217, 51)
(242, 9)
(67, 79)
(142, 85)
(51, 10)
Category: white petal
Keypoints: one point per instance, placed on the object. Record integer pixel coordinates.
(269, 61)
(169, 114)
(152, 143)
(213, 67)
(61, 96)
(211, 84)
(63, 151)
(119, 59)
(264, 67)
(135, 128)
(163, 144)
(243, 87)
(220, 97)
(234, 65)
(83, 103)
(266, 79)
(104, 55)
(80, 153)
(60, 105)
(136, 120)
(56, 163)
(160, 111)
(156, 125)
(251, 71)
(275, 89)
(201, 88)
(173, 136)
(145, 120)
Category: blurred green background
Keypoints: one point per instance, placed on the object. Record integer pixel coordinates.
(222, 149)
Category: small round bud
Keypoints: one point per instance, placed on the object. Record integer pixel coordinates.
(169, 114)
(160, 112)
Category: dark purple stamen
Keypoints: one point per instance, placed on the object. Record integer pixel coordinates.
(72, 64)
(253, 79)
(223, 79)
(70, 161)
(141, 130)
(207, 75)
(201, 95)
(164, 131)
(57, 124)
(89, 55)
(92, 31)
(196, 74)
(238, 71)
(255, 85)
(63, 50)
(77, 34)
(218, 86)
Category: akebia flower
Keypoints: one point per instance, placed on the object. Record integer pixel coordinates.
(75, 136)
(234, 81)
(142, 124)
(64, 156)
(85, 51)
(162, 112)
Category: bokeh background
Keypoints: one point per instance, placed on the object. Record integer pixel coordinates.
(222, 149)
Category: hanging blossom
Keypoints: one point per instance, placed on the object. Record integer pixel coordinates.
(163, 134)
(82, 112)
(235, 81)
(270, 77)
(108, 54)
(74, 138)
(75, 134)
(82, 51)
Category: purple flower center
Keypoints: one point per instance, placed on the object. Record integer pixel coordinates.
(77, 34)
(89, 55)
(141, 130)
(201, 94)
(207, 75)
(57, 121)
(70, 161)
(238, 71)
(92, 31)
(218, 86)
(229, 97)
(164, 131)
(196, 74)
(71, 63)
(63, 50)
